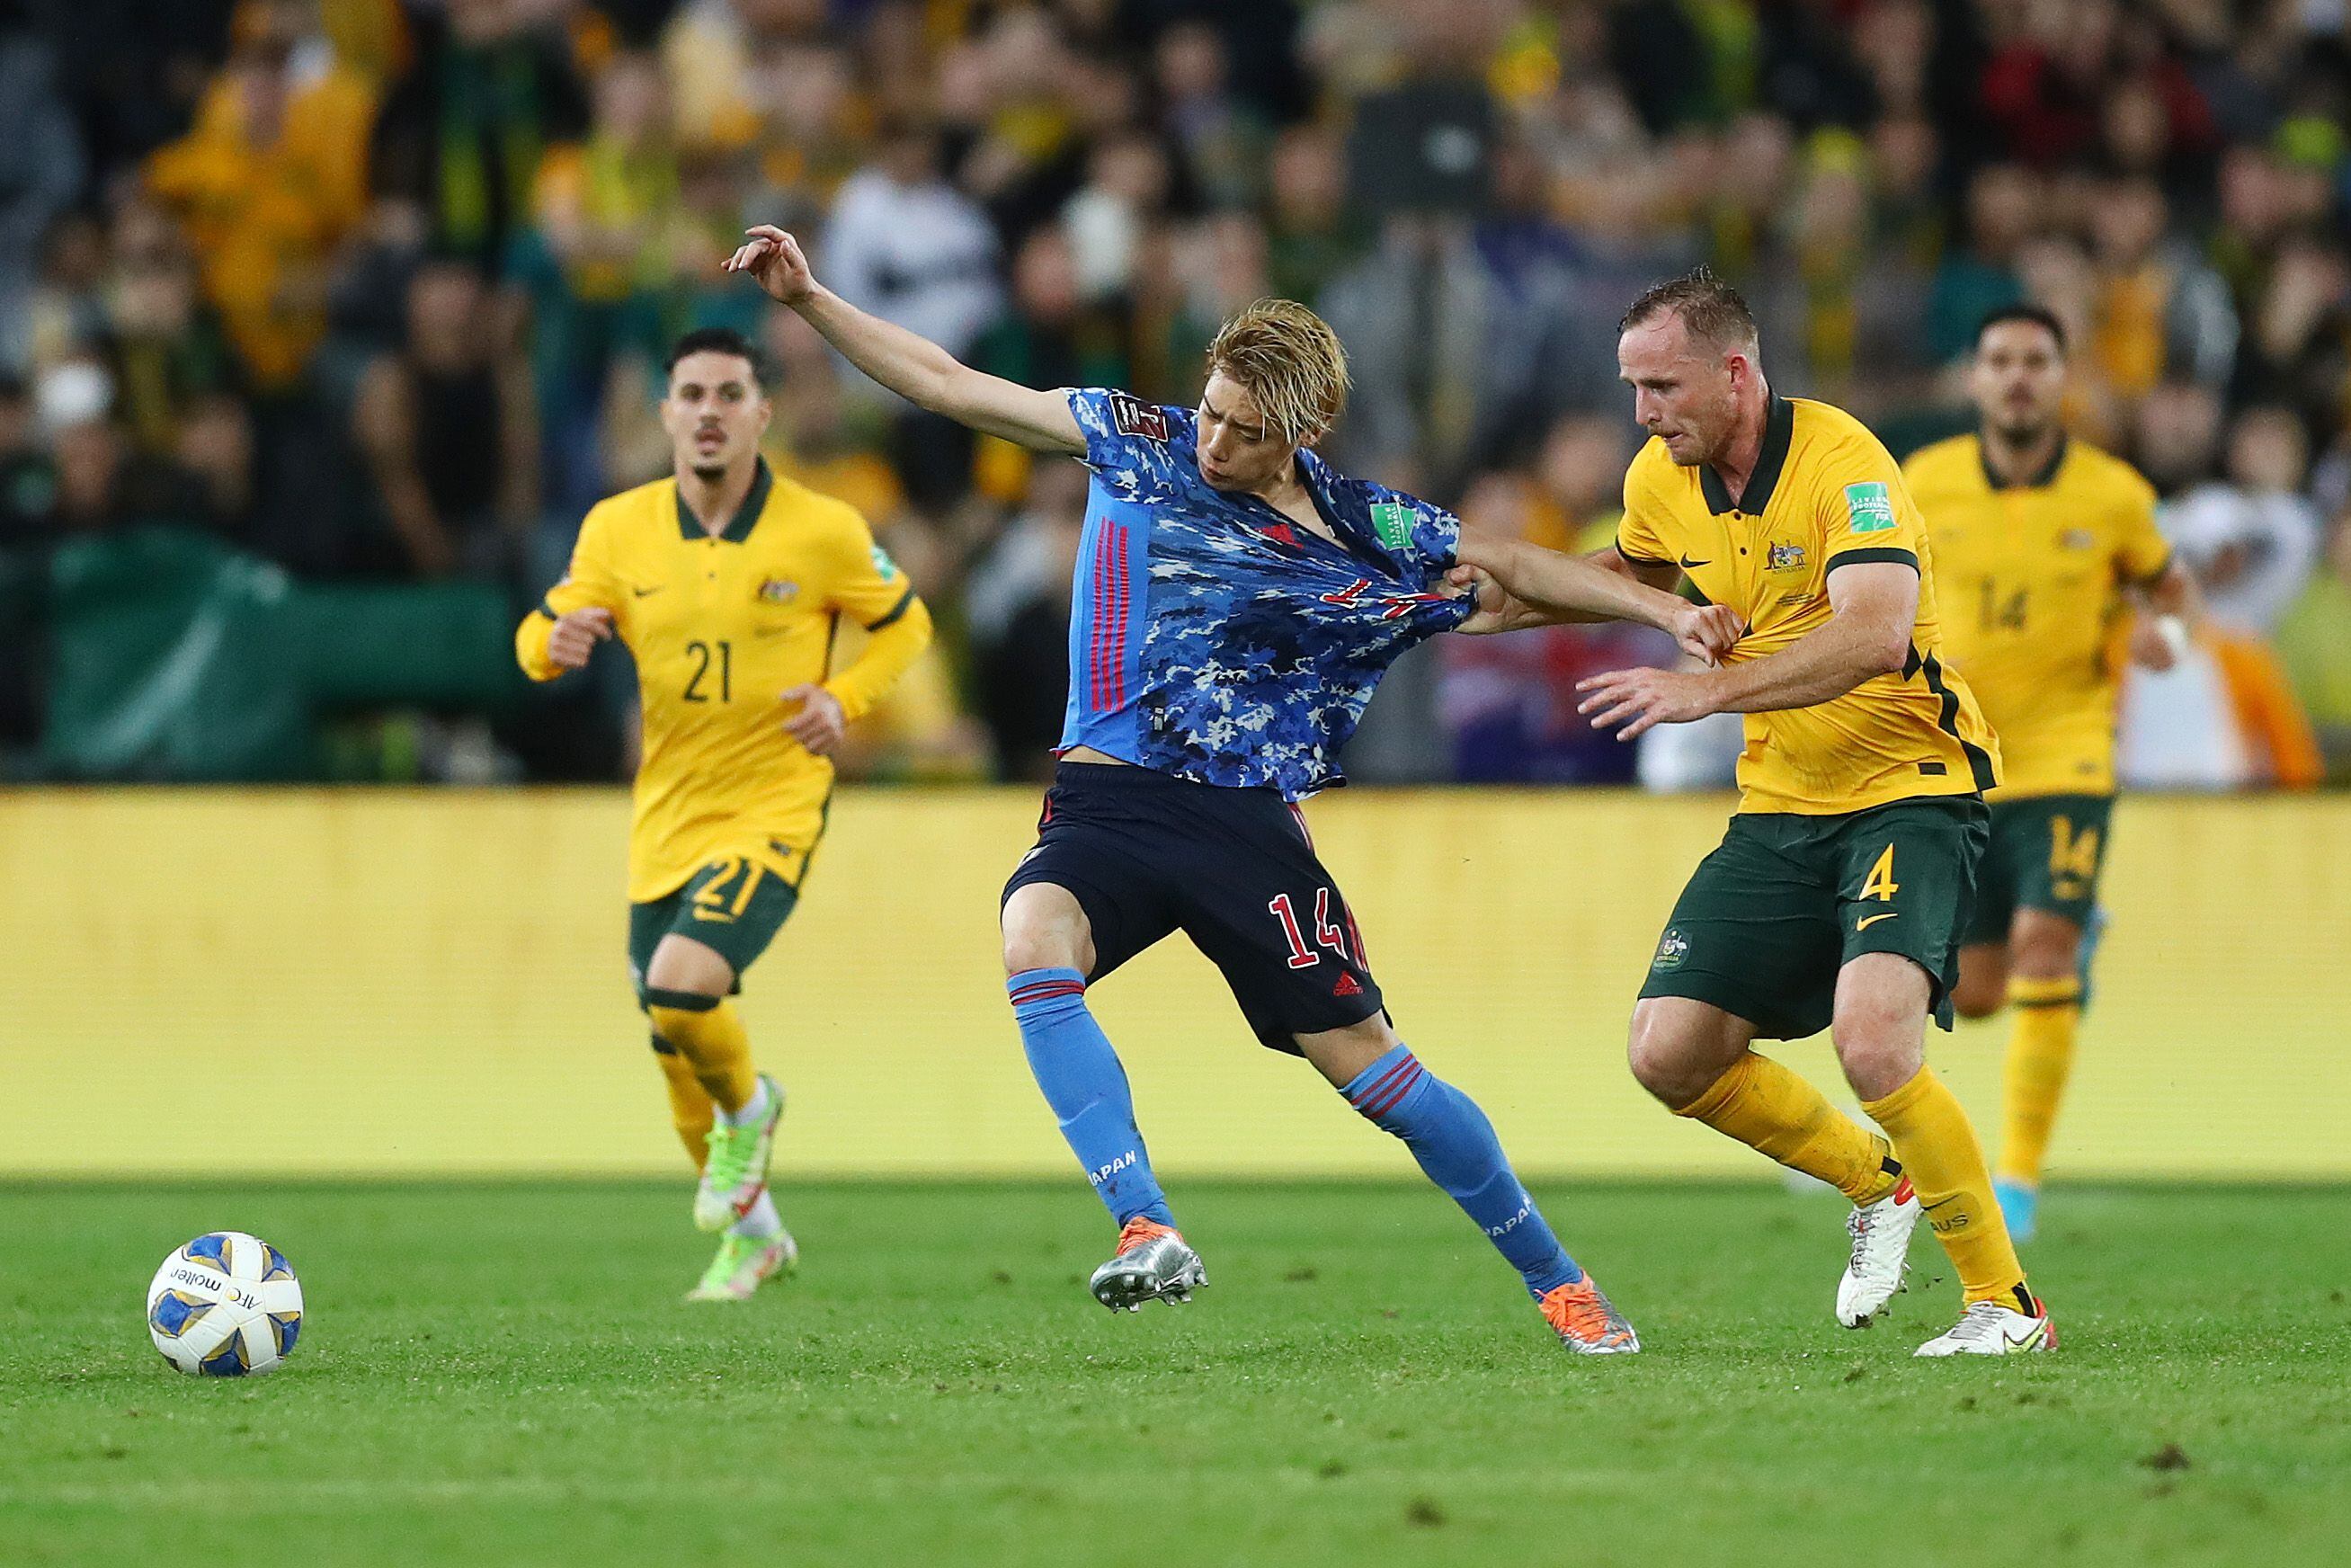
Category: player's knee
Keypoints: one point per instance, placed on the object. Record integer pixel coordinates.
(1978, 996)
(682, 966)
(1662, 1063)
(2046, 948)
(1045, 928)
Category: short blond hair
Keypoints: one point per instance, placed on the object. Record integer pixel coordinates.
(1290, 362)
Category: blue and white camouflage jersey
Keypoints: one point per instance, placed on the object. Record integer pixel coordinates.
(1211, 639)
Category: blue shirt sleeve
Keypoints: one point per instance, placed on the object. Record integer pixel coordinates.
(1420, 534)
(1122, 431)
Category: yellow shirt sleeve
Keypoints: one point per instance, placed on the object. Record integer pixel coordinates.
(591, 581)
(868, 587)
(1865, 513)
(1638, 539)
(2142, 553)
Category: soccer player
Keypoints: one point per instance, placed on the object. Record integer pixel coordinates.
(2042, 546)
(727, 582)
(1237, 602)
(1837, 895)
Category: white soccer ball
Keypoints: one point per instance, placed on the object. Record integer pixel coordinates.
(224, 1305)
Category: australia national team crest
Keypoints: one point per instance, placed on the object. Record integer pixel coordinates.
(1786, 557)
(779, 590)
(1671, 951)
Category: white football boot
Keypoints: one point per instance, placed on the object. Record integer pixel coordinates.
(1153, 1264)
(1881, 1245)
(1996, 1328)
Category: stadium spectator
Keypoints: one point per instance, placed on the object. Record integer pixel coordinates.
(451, 433)
(41, 171)
(2252, 539)
(492, 89)
(268, 182)
(1017, 612)
(1471, 190)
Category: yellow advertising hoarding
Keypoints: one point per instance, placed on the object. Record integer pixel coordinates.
(363, 981)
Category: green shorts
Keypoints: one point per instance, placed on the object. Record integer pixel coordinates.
(1785, 901)
(735, 906)
(2046, 852)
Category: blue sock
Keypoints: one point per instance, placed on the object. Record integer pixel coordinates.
(1456, 1147)
(1086, 1087)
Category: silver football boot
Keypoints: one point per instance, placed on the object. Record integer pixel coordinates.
(1153, 1264)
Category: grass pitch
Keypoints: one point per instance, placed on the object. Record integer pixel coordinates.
(502, 1374)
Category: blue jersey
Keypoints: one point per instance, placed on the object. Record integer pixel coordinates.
(1212, 640)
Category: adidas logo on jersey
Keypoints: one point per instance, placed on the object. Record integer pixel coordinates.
(1347, 986)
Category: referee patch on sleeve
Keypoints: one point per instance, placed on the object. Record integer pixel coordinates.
(1132, 417)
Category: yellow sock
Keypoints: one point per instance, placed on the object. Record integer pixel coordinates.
(2039, 1057)
(1938, 1147)
(691, 1109)
(1771, 1109)
(709, 1034)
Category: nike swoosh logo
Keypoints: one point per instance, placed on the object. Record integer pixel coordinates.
(641, 592)
(1687, 563)
(1931, 1208)
(1866, 921)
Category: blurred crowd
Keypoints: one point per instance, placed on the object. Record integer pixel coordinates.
(375, 291)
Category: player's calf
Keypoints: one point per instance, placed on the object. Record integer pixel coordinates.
(1455, 1144)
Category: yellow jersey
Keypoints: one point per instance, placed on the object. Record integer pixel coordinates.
(720, 625)
(1824, 493)
(2033, 575)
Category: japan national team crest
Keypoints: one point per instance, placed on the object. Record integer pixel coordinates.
(779, 590)
(1136, 417)
(1786, 557)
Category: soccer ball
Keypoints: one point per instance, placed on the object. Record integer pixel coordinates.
(224, 1305)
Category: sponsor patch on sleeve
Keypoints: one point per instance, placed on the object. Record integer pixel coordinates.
(884, 565)
(1392, 521)
(1868, 508)
(1132, 417)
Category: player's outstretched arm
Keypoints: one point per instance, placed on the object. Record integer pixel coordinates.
(910, 365)
(1541, 586)
(1875, 606)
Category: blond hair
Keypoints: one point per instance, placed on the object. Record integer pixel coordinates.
(1290, 362)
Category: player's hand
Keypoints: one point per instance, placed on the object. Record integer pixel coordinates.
(1707, 631)
(2151, 647)
(1497, 610)
(576, 635)
(1640, 699)
(776, 263)
(820, 723)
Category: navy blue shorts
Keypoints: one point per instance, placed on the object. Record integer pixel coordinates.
(1145, 854)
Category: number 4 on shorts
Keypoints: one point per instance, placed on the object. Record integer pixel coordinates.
(1881, 885)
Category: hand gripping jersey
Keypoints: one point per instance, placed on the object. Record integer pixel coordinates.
(1213, 640)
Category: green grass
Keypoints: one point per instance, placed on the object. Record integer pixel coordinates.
(502, 1374)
